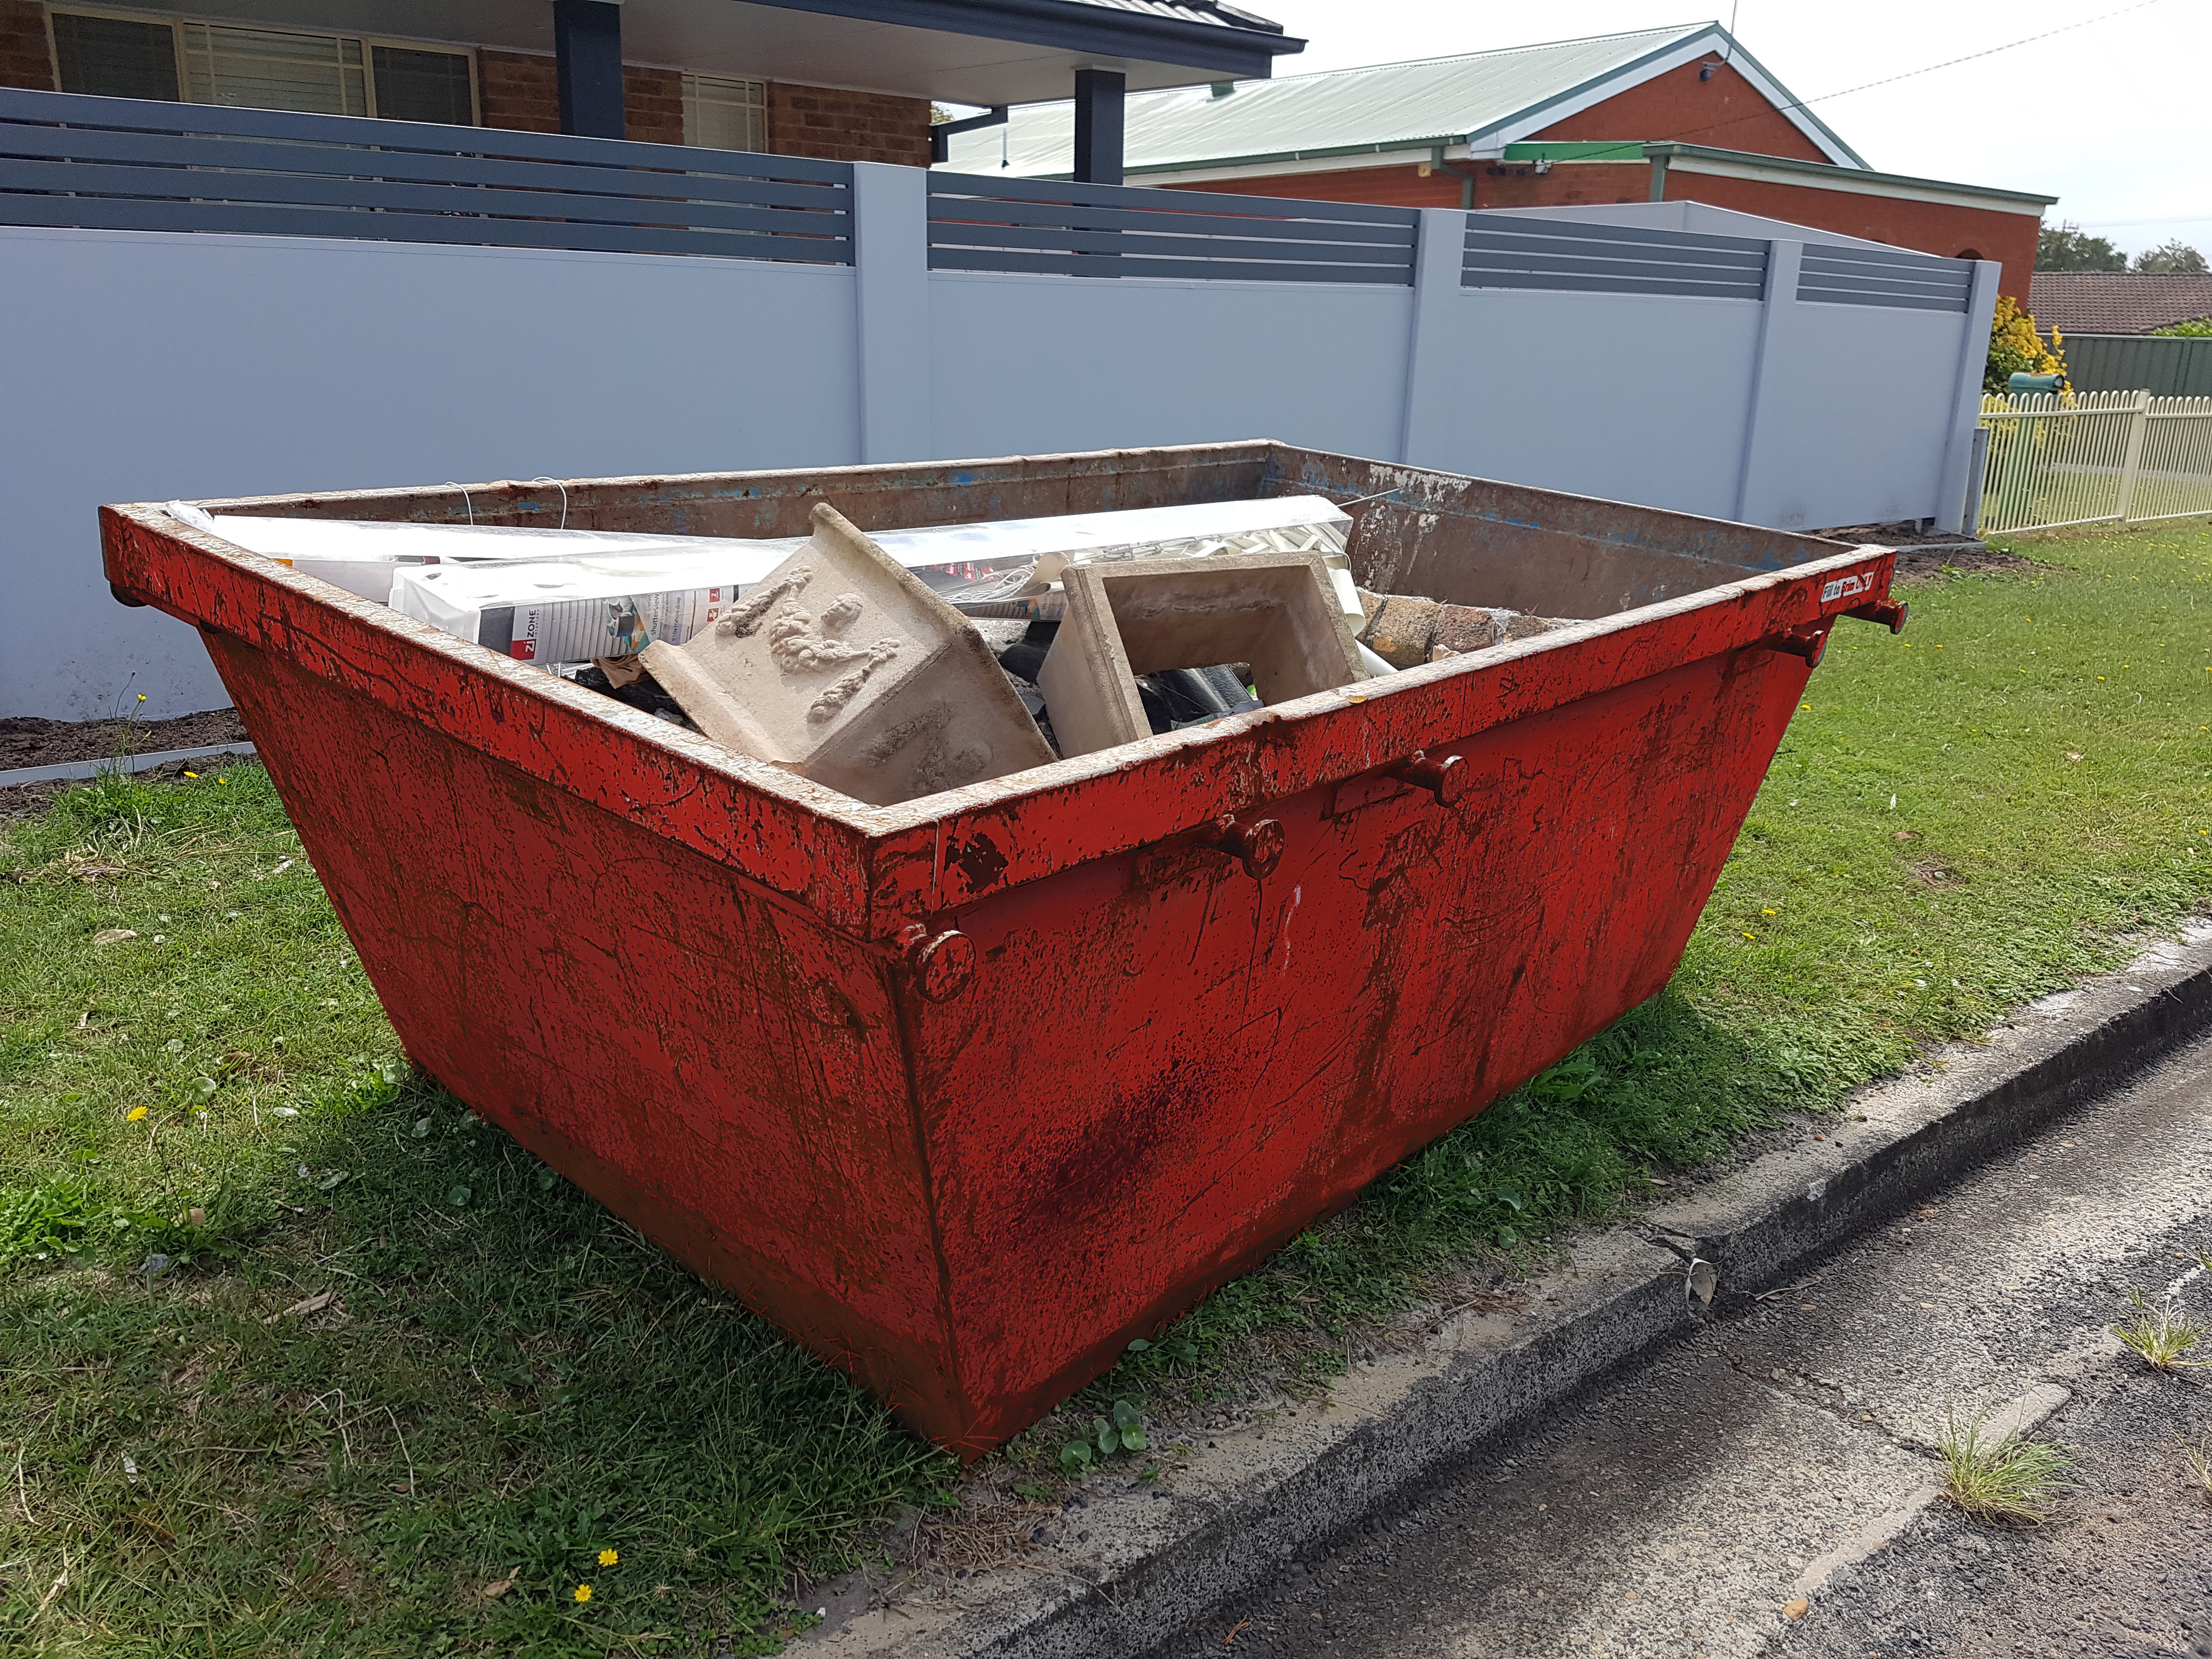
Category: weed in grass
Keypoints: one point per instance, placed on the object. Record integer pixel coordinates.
(1999, 1477)
(2161, 1335)
(2197, 1454)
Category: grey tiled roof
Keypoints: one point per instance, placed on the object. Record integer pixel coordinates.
(2115, 301)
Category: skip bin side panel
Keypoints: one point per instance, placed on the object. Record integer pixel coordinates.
(1165, 1069)
(715, 1066)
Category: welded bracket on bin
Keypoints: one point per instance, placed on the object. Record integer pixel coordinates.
(1810, 643)
(942, 964)
(1446, 779)
(1257, 844)
(1889, 613)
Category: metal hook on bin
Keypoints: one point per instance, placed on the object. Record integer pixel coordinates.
(1446, 779)
(941, 963)
(1257, 845)
(1810, 643)
(1889, 613)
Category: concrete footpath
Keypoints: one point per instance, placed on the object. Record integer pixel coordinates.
(1685, 1473)
(1768, 1486)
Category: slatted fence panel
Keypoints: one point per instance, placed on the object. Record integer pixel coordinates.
(982, 223)
(1506, 251)
(1884, 276)
(129, 164)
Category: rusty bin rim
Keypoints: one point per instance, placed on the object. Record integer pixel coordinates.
(874, 871)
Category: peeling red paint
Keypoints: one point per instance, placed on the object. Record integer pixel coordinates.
(968, 1092)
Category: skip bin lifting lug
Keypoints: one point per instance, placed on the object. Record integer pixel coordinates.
(1890, 613)
(1446, 779)
(1810, 643)
(941, 963)
(1257, 845)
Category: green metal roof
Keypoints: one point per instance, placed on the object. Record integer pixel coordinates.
(1354, 111)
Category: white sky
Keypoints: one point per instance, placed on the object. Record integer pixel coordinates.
(2114, 118)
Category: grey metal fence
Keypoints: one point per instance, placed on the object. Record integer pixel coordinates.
(133, 164)
(981, 223)
(1884, 276)
(2165, 366)
(1564, 254)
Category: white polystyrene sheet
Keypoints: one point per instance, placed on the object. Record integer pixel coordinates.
(606, 592)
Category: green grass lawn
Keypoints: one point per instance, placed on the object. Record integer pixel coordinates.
(392, 1361)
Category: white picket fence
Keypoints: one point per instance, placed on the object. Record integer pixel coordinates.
(2093, 458)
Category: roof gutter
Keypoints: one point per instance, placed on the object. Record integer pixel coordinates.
(1820, 175)
(1243, 50)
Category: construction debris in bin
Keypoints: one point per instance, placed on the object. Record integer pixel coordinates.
(867, 663)
(841, 665)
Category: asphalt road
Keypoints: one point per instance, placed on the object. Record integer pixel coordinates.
(1783, 1452)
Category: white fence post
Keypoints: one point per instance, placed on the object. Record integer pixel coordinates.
(1431, 366)
(2131, 466)
(891, 266)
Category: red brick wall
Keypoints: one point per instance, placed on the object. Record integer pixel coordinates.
(518, 91)
(1727, 112)
(24, 60)
(848, 126)
(1931, 227)
(653, 105)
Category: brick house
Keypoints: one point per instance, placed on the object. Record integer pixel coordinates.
(1672, 114)
(854, 82)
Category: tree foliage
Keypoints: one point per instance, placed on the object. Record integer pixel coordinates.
(2173, 258)
(2197, 328)
(2068, 248)
(2017, 348)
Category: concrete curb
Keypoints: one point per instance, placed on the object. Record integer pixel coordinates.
(68, 770)
(1148, 1560)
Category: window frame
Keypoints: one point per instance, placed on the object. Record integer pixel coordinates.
(368, 44)
(690, 78)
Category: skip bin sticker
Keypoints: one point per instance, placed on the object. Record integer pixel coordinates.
(1845, 587)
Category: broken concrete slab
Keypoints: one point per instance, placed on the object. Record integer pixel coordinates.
(841, 665)
(1277, 611)
(1462, 628)
(1401, 629)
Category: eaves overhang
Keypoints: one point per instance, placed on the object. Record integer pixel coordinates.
(1238, 50)
(1735, 163)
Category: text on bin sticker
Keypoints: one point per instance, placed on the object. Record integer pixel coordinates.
(1845, 587)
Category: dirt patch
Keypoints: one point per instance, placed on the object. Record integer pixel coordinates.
(28, 742)
(1931, 555)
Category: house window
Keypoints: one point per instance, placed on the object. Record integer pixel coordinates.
(721, 115)
(262, 69)
(121, 57)
(116, 57)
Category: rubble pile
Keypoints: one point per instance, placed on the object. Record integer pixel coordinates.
(895, 664)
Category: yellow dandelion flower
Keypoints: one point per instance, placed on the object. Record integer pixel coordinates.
(1770, 912)
(191, 774)
(608, 1557)
(583, 1592)
(134, 1114)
